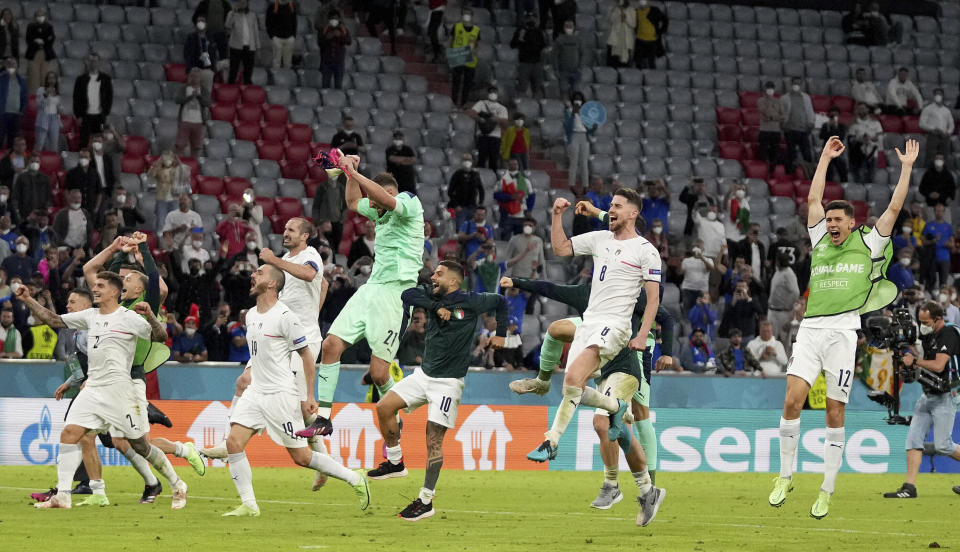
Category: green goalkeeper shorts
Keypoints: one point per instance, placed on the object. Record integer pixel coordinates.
(642, 396)
(375, 312)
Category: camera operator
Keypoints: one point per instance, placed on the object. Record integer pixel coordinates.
(941, 346)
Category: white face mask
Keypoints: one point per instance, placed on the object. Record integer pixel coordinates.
(21, 248)
(41, 18)
(121, 199)
(467, 18)
(83, 162)
(31, 321)
(938, 98)
(568, 30)
(398, 143)
(938, 163)
(697, 251)
(467, 165)
(34, 166)
(365, 269)
(11, 70)
(943, 297)
(75, 206)
(3, 198)
(97, 146)
(492, 96)
(771, 91)
(189, 331)
(519, 123)
(334, 22)
(197, 244)
(711, 215)
(577, 103)
(925, 330)
(905, 261)
(907, 229)
(741, 194)
(107, 136)
(659, 229)
(528, 230)
(201, 25)
(795, 87)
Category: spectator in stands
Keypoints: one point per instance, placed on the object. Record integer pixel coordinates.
(562, 11)
(236, 273)
(530, 42)
(798, 121)
(525, 255)
(703, 316)
(599, 195)
(855, 26)
(652, 24)
(656, 204)
(696, 356)
(865, 135)
(384, 12)
(326, 10)
(796, 230)
(833, 127)
(9, 35)
(194, 101)
(189, 346)
(435, 23)
(769, 351)
(281, 24)
(14, 162)
(710, 230)
(937, 185)
(243, 31)
(84, 177)
(105, 158)
(905, 238)
(197, 286)
(233, 230)
(216, 335)
(40, 37)
(109, 225)
(569, 56)
(658, 239)
(695, 270)
(771, 118)
(37, 229)
(401, 161)
(46, 130)
(782, 245)
(510, 356)
(578, 144)
(738, 360)
(333, 39)
(936, 120)
(20, 265)
(238, 339)
(465, 35)
(253, 215)
(742, 313)
(491, 116)
(172, 178)
(11, 344)
(942, 233)
(903, 97)
(865, 91)
(515, 196)
(215, 12)
(473, 233)
(177, 225)
(737, 204)
(363, 245)
(694, 195)
(73, 226)
(31, 190)
(753, 252)
(121, 203)
(8, 233)
(13, 96)
(413, 342)
(330, 204)
(515, 143)
(92, 98)
(347, 138)
(784, 292)
(202, 53)
(465, 192)
(621, 22)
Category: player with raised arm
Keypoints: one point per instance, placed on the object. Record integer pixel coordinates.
(272, 401)
(109, 400)
(375, 311)
(624, 263)
(304, 292)
(847, 270)
(452, 317)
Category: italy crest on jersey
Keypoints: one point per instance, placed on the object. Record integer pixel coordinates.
(458, 313)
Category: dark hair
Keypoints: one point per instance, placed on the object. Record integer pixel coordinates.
(112, 278)
(732, 332)
(631, 196)
(386, 179)
(278, 277)
(456, 267)
(934, 308)
(840, 204)
(519, 115)
(85, 293)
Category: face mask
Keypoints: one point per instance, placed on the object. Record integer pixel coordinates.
(938, 163)
(519, 123)
(568, 30)
(74, 206)
(770, 91)
(643, 3)
(492, 96)
(334, 22)
(925, 330)
(697, 251)
(41, 18)
(107, 136)
(397, 143)
(365, 270)
(795, 87)
(741, 194)
(197, 244)
(21, 248)
(467, 165)
(658, 230)
(467, 18)
(201, 25)
(11, 70)
(31, 321)
(121, 199)
(943, 297)
(578, 103)
(711, 215)
(97, 146)
(189, 331)
(251, 245)
(528, 230)
(34, 167)
(168, 162)
(83, 161)
(938, 98)
(3, 198)
(905, 261)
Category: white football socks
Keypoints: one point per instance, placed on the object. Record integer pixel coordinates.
(642, 479)
(98, 487)
(242, 478)
(329, 466)
(596, 399)
(140, 464)
(395, 454)
(162, 464)
(832, 456)
(789, 439)
(426, 495)
(610, 474)
(568, 406)
(67, 462)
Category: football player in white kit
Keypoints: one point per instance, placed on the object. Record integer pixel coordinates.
(624, 263)
(272, 402)
(304, 292)
(109, 400)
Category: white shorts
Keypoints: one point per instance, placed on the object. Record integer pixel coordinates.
(441, 394)
(608, 338)
(619, 386)
(116, 408)
(314, 341)
(834, 352)
(277, 413)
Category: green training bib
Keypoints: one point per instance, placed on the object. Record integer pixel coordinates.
(846, 278)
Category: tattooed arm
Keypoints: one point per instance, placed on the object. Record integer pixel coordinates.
(39, 312)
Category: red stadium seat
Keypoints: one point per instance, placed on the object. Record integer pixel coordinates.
(251, 93)
(750, 117)
(296, 170)
(298, 152)
(755, 169)
(268, 204)
(821, 104)
(251, 112)
(276, 114)
(132, 164)
(846, 119)
(802, 190)
(311, 187)
(891, 123)
(209, 185)
(781, 189)
(452, 246)
(234, 186)
(749, 99)
(49, 162)
(729, 133)
(299, 133)
(911, 125)
(730, 150)
(152, 241)
(272, 132)
(223, 112)
(136, 146)
(270, 150)
(751, 135)
(861, 210)
(317, 173)
(246, 130)
(226, 93)
(728, 116)
(226, 200)
(832, 191)
(193, 164)
(843, 103)
(288, 207)
(175, 72)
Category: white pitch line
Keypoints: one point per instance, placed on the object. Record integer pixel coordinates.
(195, 497)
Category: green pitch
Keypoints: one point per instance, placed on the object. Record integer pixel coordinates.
(483, 511)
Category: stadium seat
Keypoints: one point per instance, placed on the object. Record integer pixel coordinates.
(287, 207)
(891, 123)
(132, 164)
(296, 170)
(755, 169)
(731, 150)
(223, 112)
(253, 94)
(270, 150)
(226, 93)
(250, 112)
(298, 152)
(911, 125)
(176, 72)
(136, 146)
(272, 132)
(209, 185)
(276, 114)
(246, 130)
(234, 186)
(728, 116)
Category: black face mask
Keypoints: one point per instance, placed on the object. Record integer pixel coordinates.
(194, 271)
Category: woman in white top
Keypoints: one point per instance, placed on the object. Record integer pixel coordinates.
(47, 126)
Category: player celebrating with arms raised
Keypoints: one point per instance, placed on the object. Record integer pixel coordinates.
(271, 402)
(375, 311)
(624, 262)
(451, 327)
(846, 279)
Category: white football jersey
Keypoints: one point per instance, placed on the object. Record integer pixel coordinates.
(302, 297)
(111, 342)
(272, 337)
(620, 268)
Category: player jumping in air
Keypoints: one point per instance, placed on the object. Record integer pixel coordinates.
(451, 328)
(846, 279)
(272, 401)
(624, 263)
(375, 311)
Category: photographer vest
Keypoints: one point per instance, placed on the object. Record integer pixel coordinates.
(846, 278)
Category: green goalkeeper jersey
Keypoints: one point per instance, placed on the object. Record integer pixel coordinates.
(398, 248)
